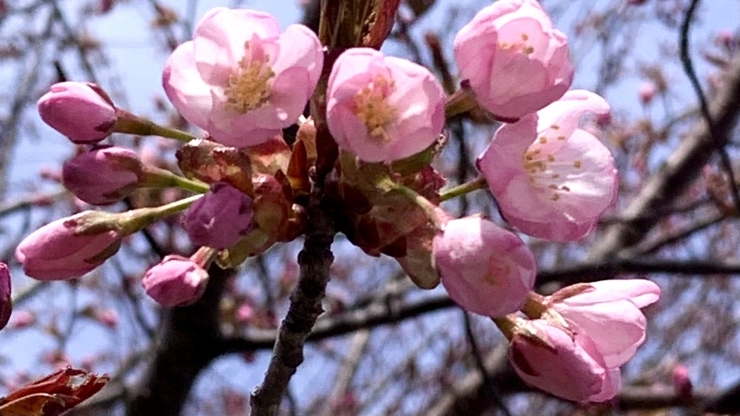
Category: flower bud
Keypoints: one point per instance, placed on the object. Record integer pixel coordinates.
(616, 302)
(104, 175)
(57, 251)
(485, 268)
(6, 301)
(175, 281)
(220, 218)
(79, 110)
(516, 62)
(564, 363)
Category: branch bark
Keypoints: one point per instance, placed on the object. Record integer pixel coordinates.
(189, 340)
(305, 307)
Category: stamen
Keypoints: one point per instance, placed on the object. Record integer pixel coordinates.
(249, 86)
(372, 108)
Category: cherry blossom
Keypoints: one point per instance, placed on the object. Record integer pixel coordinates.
(485, 268)
(552, 179)
(220, 218)
(383, 108)
(82, 111)
(563, 362)
(175, 281)
(102, 175)
(609, 312)
(516, 62)
(240, 78)
(56, 252)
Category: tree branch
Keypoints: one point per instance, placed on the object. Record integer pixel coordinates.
(305, 307)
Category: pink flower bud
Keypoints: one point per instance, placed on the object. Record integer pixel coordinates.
(175, 281)
(485, 268)
(220, 218)
(682, 382)
(383, 108)
(646, 92)
(609, 312)
(79, 110)
(104, 175)
(516, 62)
(552, 179)
(6, 301)
(240, 78)
(56, 252)
(564, 363)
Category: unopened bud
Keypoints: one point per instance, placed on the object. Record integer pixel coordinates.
(104, 175)
(79, 110)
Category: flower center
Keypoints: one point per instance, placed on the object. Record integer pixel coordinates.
(547, 173)
(249, 86)
(372, 108)
(522, 45)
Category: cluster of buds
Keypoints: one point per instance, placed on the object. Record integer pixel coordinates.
(552, 177)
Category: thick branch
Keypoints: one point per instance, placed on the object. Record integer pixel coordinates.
(189, 336)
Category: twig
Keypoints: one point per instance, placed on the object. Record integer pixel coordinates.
(305, 307)
(714, 134)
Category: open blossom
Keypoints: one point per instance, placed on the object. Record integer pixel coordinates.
(551, 179)
(516, 62)
(383, 108)
(56, 252)
(568, 364)
(485, 268)
(175, 281)
(609, 312)
(220, 218)
(102, 175)
(240, 78)
(81, 111)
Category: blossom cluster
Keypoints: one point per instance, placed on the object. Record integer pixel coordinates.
(242, 81)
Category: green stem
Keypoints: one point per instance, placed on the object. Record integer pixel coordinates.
(141, 218)
(171, 133)
(132, 124)
(434, 213)
(154, 177)
(460, 190)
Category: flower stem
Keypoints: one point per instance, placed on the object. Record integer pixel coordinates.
(132, 124)
(467, 187)
(462, 101)
(434, 213)
(506, 325)
(534, 307)
(154, 177)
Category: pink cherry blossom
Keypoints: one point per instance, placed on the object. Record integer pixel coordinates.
(551, 179)
(609, 312)
(79, 110)
(56, 252)
(567, 365)
(102, 175)
(175, 281)
(383, 108)
(485, 268)
(220, 218)
(240, 78)
(516, 62)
